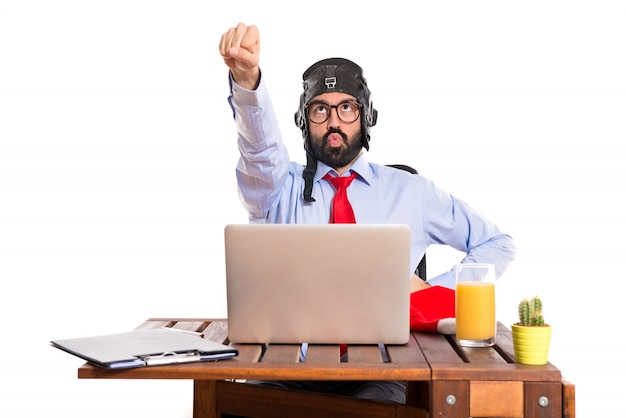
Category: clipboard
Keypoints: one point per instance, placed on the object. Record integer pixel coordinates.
(142, 348)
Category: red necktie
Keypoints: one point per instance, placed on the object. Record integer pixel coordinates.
(341, 212)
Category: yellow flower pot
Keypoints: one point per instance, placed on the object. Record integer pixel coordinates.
(531, 344)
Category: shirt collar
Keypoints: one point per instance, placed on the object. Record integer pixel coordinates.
(360, 166)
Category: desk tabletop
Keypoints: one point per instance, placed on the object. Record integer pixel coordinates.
(426, 357)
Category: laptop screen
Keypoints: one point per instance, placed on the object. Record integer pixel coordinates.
(327, 283)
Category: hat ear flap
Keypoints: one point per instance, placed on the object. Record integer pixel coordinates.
(373, 116)
(300, 116)
(299, 119)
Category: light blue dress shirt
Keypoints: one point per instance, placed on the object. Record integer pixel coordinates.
(271, 186)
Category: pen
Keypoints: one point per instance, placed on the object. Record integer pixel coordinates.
(199, 334)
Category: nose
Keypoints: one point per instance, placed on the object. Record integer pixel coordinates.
(333, 119)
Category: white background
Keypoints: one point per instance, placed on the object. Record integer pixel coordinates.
(117, 156)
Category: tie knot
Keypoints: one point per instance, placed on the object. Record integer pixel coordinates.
(340, 182)
(341, 212)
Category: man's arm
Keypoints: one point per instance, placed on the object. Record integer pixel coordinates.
(263, 167)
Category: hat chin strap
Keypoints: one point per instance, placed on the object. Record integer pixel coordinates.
(307, 175)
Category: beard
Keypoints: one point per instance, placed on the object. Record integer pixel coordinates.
(336, 157)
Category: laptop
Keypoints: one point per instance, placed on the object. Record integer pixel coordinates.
(318, 284)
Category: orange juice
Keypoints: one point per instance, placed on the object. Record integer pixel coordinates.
(475, 311)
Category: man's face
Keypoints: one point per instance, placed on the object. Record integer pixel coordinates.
(335, 142)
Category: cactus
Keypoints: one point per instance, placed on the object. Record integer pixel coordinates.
(530, 312)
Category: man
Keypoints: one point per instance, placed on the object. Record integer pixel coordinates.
(335, 116)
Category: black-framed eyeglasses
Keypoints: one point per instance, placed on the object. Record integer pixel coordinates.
(347, 112)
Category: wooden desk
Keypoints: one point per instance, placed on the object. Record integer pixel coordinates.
(444, 379)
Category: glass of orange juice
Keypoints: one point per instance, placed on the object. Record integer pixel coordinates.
(476, 304)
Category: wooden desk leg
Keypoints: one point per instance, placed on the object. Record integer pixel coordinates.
(543, 400)
(449, 399)
(417, 394)
(569, 399)
(204, 399)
